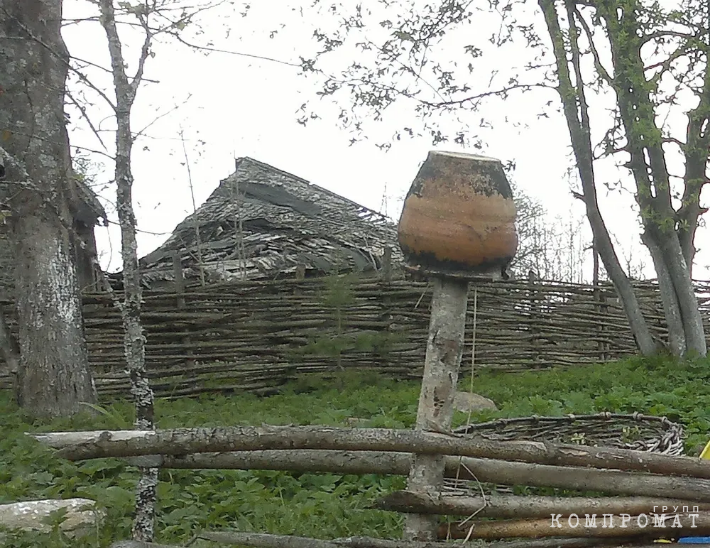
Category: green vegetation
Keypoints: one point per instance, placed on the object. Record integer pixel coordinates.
(320, 505)
(338, 296)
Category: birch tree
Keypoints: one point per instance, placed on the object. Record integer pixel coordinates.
(125, 90)
(623, 74)
(149, 20)
(53, 371)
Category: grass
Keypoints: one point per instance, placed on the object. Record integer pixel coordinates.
(318, 505)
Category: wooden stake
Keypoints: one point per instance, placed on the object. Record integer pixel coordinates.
(180, 291)
(387, 265)
(441, 370)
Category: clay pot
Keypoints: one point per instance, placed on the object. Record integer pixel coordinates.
(459, 216)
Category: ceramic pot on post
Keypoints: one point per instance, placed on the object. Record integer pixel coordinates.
(457, 225)
(459, 217)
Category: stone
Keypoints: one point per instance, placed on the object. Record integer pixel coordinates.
(466, 401)
(81, 517)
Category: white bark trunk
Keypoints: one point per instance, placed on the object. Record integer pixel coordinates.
(134, 340)
(578, 123)
(685, 293)
(436, 401)
(53, 377)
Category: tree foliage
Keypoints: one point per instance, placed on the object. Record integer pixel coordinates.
(632, 79)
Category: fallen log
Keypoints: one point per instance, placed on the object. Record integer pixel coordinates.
(265, 540)
(99, 444)
(613, 482)
(529, 506)
(642, 525)
(139, 544)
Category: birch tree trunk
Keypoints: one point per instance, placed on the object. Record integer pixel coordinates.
(53, 377)
(134, 340)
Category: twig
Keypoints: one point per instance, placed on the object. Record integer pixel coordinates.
(198, 240)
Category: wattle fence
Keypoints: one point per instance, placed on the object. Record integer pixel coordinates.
(257, 335)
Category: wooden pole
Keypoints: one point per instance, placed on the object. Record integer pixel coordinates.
(501, 472)
(180, 291)
(613, 482)
(643, 525)
(528, 506)
(457, 224)
(262, 540)
(387, 264)
(140, 544)
(441, 370)
(535, 317)
(184, 441)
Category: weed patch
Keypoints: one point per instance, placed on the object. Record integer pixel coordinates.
(317, 505)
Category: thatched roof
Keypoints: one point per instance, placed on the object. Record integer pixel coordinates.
(88, 207)
(263, 223)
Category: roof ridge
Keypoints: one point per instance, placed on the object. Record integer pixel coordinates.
(307, 182)
(268, 166)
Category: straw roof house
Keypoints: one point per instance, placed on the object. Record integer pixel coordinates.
(264, 223)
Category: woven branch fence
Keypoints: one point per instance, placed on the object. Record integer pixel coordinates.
(257, 335)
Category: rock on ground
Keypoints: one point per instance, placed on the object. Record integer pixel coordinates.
(81, 515)
(465, 402)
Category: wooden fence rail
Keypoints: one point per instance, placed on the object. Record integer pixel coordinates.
(257, 335)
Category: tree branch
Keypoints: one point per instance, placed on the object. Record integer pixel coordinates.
(697, 153)
(198, 47)
(52, 51)
(86, 117)
(159, 117)
(590, 38)
(665, 65)
(145, 51)
(665, 34)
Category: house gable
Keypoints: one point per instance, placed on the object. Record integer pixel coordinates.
(264, 223)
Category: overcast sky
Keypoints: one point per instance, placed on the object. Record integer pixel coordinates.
(240, 106)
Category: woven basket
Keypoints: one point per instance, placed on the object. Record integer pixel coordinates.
(636, 431)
